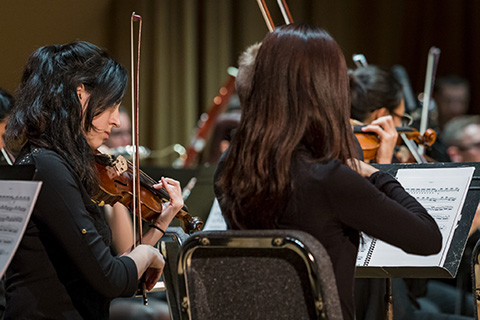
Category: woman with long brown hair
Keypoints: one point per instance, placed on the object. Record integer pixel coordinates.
(291, 164)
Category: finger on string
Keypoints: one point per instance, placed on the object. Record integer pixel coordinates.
(372, 128)
(159, 184)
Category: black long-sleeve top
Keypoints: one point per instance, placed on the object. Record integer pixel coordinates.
(64, 267)
(333, 203)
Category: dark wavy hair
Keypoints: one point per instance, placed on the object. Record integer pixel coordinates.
(299, 102)
(373, 88)
(47, 111)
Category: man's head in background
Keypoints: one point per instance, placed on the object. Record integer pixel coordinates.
(452, 97)
(461, 135)
(246, 68)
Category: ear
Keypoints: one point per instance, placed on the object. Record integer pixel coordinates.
(382, 112)
(454, 154)
(80, 91)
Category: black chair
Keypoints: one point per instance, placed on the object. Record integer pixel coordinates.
(476, 279)
(170, 246)
(256, 274)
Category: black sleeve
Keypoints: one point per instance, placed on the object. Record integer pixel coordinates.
(384, 210)
(62, 209)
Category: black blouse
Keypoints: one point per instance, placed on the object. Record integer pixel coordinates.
(333, 203)
(64, 268)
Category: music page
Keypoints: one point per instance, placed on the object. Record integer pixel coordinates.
(17, 199)
(442, 191)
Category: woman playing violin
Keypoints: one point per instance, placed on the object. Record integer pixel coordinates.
(291, 163)
(64, 267)
(377, 101)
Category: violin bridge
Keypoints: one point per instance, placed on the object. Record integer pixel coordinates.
(120, 164)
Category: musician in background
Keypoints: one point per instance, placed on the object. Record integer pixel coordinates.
(377, 101)
(451, 96)
(246, 65)
(461, 136)
(291, 164)
(6, 104)
(376, 96)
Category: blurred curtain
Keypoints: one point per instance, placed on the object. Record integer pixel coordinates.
(188, 45)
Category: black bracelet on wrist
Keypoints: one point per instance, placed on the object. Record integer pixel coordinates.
(157, 227)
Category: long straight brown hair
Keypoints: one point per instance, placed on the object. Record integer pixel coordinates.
(299, 100)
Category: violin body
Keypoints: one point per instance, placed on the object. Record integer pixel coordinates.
(116, 185)
(370, 143)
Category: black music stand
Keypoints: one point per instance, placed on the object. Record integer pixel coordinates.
(449, 267)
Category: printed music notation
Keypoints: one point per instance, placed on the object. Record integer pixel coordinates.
(17, 199)
(436, 199)
(14, 198)
(414, 191)
(442, 192)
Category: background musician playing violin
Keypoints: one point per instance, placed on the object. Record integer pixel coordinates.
(377, 101)
(65, 108)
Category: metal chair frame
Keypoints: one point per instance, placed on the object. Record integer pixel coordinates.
(294, 240)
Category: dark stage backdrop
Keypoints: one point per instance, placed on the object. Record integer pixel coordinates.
(188, 44)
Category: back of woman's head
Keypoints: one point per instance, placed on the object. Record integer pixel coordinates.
(48, 112)
(299, 100)
(373, 88)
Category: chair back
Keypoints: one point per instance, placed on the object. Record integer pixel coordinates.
(256, 274)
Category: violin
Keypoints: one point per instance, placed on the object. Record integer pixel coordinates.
(370, 142)
(116, 185)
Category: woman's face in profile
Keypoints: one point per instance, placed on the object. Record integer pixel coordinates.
(102, 126)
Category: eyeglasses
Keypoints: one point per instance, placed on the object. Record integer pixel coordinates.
(406, 119)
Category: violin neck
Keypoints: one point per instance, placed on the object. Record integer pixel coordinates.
(358, 129)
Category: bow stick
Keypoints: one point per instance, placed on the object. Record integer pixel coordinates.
(287, 16)
(433, 56)
(137, 204)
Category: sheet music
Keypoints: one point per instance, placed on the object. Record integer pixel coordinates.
(442, 191)
(215, 220)
(17, 199)
(365, 250)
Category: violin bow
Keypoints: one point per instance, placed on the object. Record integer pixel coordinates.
(282, 4)
(433, 57)
(287, 16)
(266, 15)
(137, 204)
(359, 60)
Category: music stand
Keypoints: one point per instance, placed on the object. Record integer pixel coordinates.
(453, 253)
